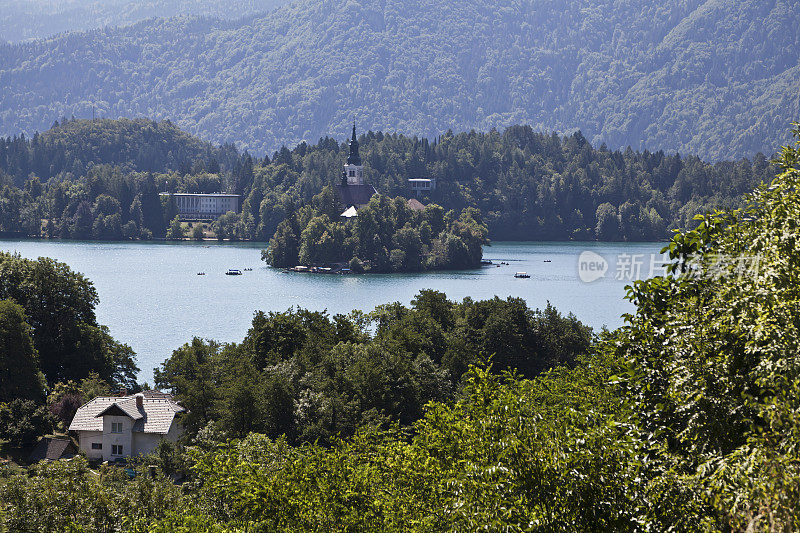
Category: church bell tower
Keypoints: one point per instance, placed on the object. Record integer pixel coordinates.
(353, 169)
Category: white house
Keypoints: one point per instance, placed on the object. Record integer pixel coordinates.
(112, 427)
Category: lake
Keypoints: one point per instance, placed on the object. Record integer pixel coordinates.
(152, 299)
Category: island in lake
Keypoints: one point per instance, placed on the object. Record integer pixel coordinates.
(353, 228)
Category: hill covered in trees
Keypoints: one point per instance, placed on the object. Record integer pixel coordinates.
(710, 78)
(70, 149)
(526, 185)
(35, 19)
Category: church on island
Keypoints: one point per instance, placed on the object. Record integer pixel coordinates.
(353, 192)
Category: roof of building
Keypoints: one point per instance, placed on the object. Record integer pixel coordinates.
(416, 205)
(215, 195)
(354, 158)
(350, 212)
(52, 450)
(420, 180)
(155, 416)
(355, 194)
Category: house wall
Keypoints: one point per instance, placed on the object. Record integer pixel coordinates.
(85, 440)
(125, 438)
(144, 443)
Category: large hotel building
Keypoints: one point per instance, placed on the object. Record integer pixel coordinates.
(203, 206)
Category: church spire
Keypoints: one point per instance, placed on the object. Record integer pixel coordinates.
(354, 158)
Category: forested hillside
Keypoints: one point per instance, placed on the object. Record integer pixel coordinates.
(709, 78)
(68, 150)
(35, 19)
(526, 185)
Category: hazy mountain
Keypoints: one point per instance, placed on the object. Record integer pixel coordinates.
(716, 78)
(35, 19)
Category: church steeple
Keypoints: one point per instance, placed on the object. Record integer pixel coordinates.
(354, 158)
(353, 169)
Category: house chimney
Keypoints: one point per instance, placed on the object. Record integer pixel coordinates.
(139, 400)
(123, 392)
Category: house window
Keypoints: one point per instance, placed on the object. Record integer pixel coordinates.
(116, 449)
(116, 427)
(97, 445)
(352, 173)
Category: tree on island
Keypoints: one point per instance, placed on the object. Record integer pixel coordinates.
(386, 236)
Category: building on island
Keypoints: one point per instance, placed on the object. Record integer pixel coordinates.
(352, 191)
(114, 427)
(203, 206)
(421, 186)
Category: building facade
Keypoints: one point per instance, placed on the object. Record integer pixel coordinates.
(115, 427)
(421, 186)
(203, 206)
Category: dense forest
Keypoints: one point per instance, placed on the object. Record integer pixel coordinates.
(386, 236)
(100, 179)
(713, 79)
(310, 377)
(68, 150)
(684, 419)
(36, 19)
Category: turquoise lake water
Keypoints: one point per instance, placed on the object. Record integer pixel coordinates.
(152, 299)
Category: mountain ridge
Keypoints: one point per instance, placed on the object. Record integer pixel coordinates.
(640, 75)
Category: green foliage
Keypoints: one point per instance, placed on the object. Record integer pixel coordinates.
(308, 376)
(499, 458)
(67, 496)
(189, 373)
(384, 237)
(711, 79)
(20, 376)
(713, 365)
(59, 306)
(23, 421)
(526, 186)
(197, 232)
(175, 230)
(75, 146)
(37, 19)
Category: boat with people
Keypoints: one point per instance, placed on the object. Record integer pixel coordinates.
(522, 275)
(233, 272)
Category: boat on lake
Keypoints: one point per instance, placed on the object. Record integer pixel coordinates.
(522, 275)
(233, 272)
